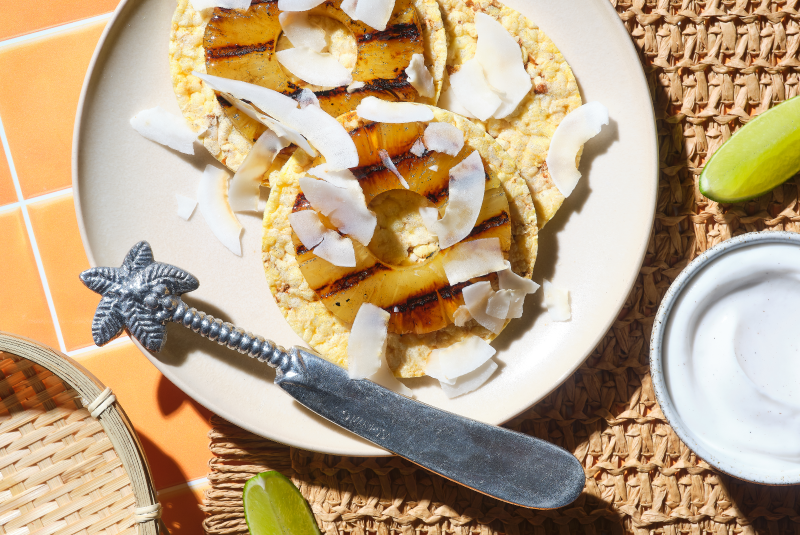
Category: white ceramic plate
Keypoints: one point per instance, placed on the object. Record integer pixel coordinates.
(125, 190)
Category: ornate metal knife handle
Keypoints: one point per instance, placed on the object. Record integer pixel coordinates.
(143, 295)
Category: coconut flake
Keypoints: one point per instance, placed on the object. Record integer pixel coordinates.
(448, 101)
(245, 188)
(298, 5)
(389, 164)
(434, 167)
(556, 300)
(345, 207)
(473, 92)
(475, 258)
(349, 7)
(459, 359)
(314, 67)
(382, 111)
(186, 206)
(308, 227)
(165, 128)
(387, 380)
(307, 98)
(199, 5)
(301, 32)
(578, 127)
(355, 86)
(418, 148)
(444, 137)
(470, 382)
(461, 316)
(339, 178)
(327, 135)
(420, 77)
(429, 215)
(212, 196)
(511, 281)
(367, 341)
(336, 249)
(476, 299)
(374, 13)
(465, 194)
(501, 58)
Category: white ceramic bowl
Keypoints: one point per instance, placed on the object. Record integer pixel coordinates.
(670, 372)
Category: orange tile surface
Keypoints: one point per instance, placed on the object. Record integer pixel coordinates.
(38, 104)
(181, 509)
(7, 193)
(56, 229)
(26, 16)
(172, 427)
(23, 306)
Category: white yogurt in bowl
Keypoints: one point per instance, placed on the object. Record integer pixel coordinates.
(725, 357)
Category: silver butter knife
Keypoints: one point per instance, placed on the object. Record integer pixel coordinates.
(143, 295)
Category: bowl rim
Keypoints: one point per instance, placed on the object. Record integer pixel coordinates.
(656, 364)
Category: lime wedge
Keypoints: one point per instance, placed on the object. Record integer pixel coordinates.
(759, 156)
(274, 506)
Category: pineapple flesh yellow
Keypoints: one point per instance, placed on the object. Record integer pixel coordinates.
(242, 45)
(413, 287)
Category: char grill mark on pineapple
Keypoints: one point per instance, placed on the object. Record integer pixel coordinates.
(237, 50)
(405, 32)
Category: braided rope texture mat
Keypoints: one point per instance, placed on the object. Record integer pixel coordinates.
(711, 66)
(59, 472)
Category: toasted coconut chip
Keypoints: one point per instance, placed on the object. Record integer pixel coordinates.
(307, 98)
(465, 193)
(382, 111)
(355, 86)
(473, 92)
(461, 316)
(506, 304)
(349, 7)
(511, 281)
(444, 137)
(501, 58)
(301, 32)
(186, 206)
(336, 249)
(429, 215)
(418, 149)
(389, 164)
(165, 128)
(374, 13)
(212, 196)
(386, 378)
(556, 300)
(245, 188)
(327, 135)
(472, 381)
(516, 304)
(476, 299)
(341, 179)
(345, 207)
(298, 5)
(475, 258)
(199, 5)
(434, 167)
(366, 344)
(448, 101)
(420, 77)
(314, 67)
(459, 359)
(578, 127)
(308, 227)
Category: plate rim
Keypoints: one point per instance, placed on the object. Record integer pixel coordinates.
(651, 128)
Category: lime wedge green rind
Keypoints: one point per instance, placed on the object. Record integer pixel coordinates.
(274, 506)
(760, 156)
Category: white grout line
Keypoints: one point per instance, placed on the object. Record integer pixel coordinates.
(39, 198)
(54, 30)
(200, 482)
(78, 353)
(37, 257)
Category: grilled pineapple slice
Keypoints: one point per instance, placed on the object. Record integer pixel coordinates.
(418, 296)
(242, 45)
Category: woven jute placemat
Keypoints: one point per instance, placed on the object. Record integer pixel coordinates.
(711, 66)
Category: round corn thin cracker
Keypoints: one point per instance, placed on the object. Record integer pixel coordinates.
(406, 354)
(526, 133)
(198, 101)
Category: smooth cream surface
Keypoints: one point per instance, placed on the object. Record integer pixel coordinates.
(732, 358)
